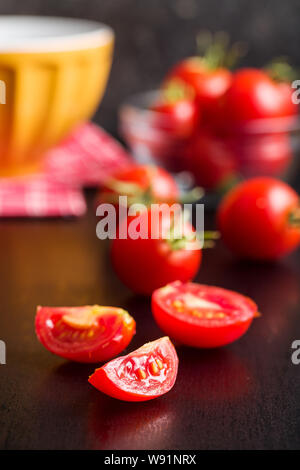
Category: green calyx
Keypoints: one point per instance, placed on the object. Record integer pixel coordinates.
(215, 50)
(280, 70)
(179, 241)
(210, 237)
(192, 196)
(294, 218)
(135, 194)
(176, 90)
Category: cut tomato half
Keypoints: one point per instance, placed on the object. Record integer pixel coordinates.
(202, 316)
(146, 373)
(84, 334)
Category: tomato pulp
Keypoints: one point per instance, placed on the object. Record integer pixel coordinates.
(84, 334)
(146, 373)
(202, 316)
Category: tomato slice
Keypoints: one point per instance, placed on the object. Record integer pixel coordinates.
(146, 373)
(202, 316)
(84, 334)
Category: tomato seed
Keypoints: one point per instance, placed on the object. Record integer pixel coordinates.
(153, 367)
(197, 313)
(141, 374)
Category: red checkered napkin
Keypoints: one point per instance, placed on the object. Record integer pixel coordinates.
(39, 196)
(85, 158)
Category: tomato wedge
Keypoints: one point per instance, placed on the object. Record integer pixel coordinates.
(84, 334)
(146, 373)
(202, 316)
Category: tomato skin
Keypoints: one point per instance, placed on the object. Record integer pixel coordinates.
(162, 186)
(254, 95)
(208, 84)
(146, 264)
(263, 155)
(180, 118)
(198, 332)
(210, 160)
(254, 219)
(119, 381)
(112, 333)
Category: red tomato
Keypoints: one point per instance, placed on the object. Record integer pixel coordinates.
(144, 264)
(143, 184)
(84, 334)
(254, 95)
(259, 219)
(209, 84)
(180, 117)
(263, 155)
(202, 316)
(210, 160)
(146, 373)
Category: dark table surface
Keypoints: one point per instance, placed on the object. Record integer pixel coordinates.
(244, 396)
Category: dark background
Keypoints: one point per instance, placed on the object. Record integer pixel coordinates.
(244, 396)
(152, 34)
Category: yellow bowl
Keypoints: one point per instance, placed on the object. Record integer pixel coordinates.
(53, 73)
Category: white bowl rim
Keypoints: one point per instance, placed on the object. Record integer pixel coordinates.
(80, 34)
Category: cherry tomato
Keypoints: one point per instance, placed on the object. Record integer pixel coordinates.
(263, 155)
(209, 84)
(254, 95)
(210, 160)
(202, 316)
(148, 262)
(179, 117)
(146, 373)
(84, 334)
(259, 219)
(141, 184)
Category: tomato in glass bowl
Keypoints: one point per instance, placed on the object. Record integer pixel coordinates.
(256, 147)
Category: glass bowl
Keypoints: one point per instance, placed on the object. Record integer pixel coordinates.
(213, 160)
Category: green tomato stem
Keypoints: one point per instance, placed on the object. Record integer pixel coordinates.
(192, 196)
(294, 217)
(216, 52)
